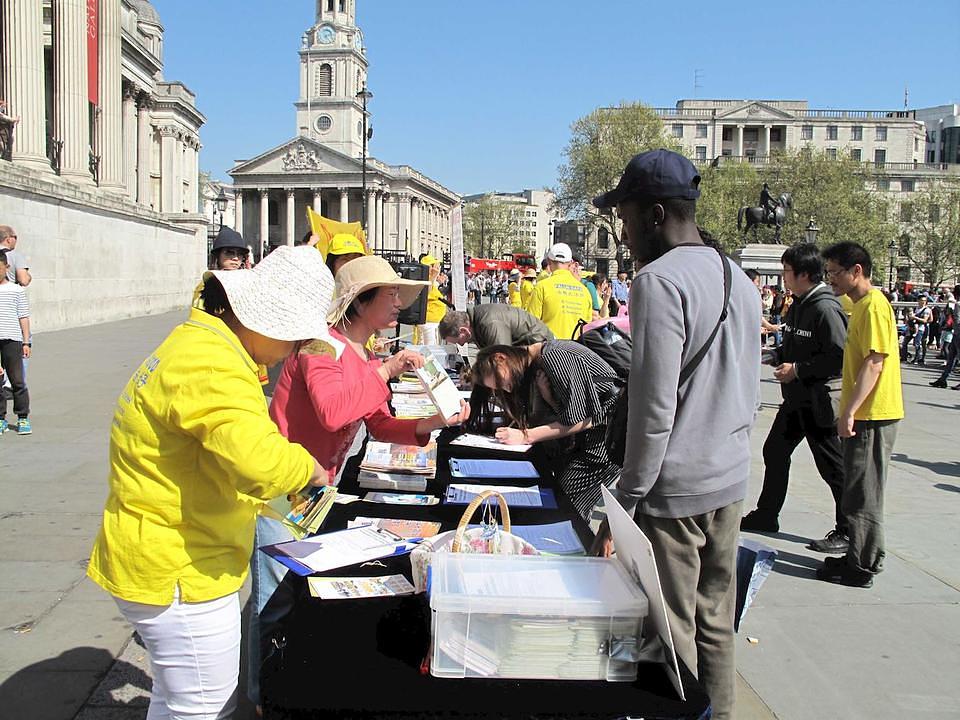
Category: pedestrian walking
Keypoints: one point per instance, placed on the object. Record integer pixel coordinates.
(15, 347)
(871, 407)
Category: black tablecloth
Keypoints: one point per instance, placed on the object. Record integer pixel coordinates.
(362, 658)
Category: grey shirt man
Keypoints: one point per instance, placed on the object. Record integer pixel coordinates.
(501, 324)
(688, 449)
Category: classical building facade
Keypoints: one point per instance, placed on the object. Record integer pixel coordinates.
(322, 167)
(99, 160)
(532, 216)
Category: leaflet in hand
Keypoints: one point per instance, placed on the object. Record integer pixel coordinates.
(439, 386)
(307, 515)
(344, 588)
(487, 443)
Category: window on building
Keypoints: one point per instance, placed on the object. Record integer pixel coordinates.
(324, 82)
(916, 144)
(831, 132)
(931, 156)
(906, 186)
(776, 135)
(934, 214)
(904, 245)
(856, 132)
(329, 5)
(933, 136)
(751, 134)
(603, 266)
(881, 133)
(856, 154)
(273, 212)
(726, 152)
(343, 5)
(678, 130)
(832, 153)
(879, 157)
(701, 152)
(906, 212)
(603, 238)
(806, 132)
(701, 131)
(727, 134)
(883, 184)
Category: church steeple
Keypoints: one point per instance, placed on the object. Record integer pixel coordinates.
(333, 69)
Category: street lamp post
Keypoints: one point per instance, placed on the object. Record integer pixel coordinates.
(219, 204)
(365, 96)
(893, 251)
(811, 231)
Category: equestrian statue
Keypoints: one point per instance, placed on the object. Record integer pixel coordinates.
(771, 211)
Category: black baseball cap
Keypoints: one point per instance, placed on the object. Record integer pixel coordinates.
(655, 175)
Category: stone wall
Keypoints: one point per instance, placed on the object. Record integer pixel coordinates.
(96, 256)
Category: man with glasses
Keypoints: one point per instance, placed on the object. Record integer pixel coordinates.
(871, 405)
(16, 273)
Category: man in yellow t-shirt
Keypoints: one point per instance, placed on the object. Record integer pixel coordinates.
(561, 300)
(871, 406)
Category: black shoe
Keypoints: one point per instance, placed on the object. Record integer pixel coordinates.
(845, 575)
(938, 383)
(755, 521)
(832, 563)
(956, 387)
(836, 542)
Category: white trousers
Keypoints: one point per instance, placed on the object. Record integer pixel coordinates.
(194, 653)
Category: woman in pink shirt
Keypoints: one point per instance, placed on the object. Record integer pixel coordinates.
(324, 392)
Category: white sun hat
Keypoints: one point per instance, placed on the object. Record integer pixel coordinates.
(369, 272)
(285, 297)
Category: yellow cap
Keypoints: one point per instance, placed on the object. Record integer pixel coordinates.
(429, 260)
(343, 244)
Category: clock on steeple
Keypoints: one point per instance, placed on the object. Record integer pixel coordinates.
(333, 69)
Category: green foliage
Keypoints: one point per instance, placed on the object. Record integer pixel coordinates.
(489, 228)
(601, 144)
(931, 238)
(724, 189)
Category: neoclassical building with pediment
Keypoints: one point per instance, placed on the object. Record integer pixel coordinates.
(322, 166)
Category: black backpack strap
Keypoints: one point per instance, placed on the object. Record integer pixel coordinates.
(578, 330)
(698, 358)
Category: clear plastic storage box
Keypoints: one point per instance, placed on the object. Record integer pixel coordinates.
(536, 617)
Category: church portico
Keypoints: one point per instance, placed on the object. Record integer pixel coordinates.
(327, 165)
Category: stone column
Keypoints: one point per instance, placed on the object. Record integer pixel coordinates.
(144, 140)
(766, 140)
(403, 222)
(168, 149)
(318, 201)
(110, 141)
(739, 142)
(23, 80)
(238, 210)
(264, 220)
(371, 228)
(70, 95)
(344, 204)
(130, 139)
(291, 216)
(379, 223)
(415, 227)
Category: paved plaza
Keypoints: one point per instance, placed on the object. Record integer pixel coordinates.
(807, 650)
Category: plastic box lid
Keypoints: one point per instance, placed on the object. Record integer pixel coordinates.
(534, 585)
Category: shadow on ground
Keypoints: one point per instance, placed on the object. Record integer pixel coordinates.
(947, 469)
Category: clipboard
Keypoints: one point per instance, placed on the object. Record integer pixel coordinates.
(493, 469)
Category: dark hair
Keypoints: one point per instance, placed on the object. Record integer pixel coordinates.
(451, 323)
(599, 279)
(680, 209)
(3, 257)
(751, 273)
(305, 239)
(847, 254)
(331, 259)
(804, 258)
(215, 301)
(514, 403)
(361, 299)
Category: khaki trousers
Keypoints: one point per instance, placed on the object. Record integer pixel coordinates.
(696, 559)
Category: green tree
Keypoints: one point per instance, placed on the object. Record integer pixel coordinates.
(931, 231)
(600, 146)
(724, 189)
(489, 228)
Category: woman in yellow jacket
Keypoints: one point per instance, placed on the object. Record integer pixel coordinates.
(436, 307)
(513, 289)
(193, 456)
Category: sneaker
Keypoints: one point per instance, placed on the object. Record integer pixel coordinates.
(845, 575)
(23, 427)
(4, 426)
(836, 542)
(938, 383)
(755, 521)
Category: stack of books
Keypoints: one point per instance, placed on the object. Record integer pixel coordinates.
(395, 458)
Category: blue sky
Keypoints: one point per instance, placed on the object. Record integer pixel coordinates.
(480, 94)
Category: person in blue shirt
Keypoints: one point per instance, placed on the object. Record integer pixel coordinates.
(621, 291)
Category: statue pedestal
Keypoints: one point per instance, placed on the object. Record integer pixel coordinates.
(765, 259)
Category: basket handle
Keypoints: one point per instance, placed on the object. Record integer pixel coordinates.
(471, 508)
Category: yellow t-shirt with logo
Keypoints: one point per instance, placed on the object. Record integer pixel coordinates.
(873, 328)
(561, 301)
(513, 292)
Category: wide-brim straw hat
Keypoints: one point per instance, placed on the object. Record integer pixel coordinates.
(370, 271)
(285, 297)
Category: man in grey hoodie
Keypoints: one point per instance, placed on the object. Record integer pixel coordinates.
(688, 445)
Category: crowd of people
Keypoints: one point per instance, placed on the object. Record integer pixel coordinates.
(198, 459)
